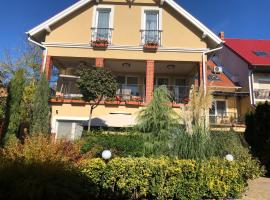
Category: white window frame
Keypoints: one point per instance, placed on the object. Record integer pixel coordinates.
(143, 18)
(95, 16)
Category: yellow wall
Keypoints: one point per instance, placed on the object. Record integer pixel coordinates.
(124, 54)
(176, 31)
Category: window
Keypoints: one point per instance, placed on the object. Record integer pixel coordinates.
(128, 84)
(261, 53)
(102, 22)
(161, 81)
(151, 25)
(219, 108)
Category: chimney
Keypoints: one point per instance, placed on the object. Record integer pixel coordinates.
(222, 35)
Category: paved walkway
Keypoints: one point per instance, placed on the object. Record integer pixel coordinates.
(258, 189)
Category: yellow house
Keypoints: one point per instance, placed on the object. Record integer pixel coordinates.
(145, 43)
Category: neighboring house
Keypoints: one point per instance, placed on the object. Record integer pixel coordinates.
(248, 62)
(144, 43)
(226, 109)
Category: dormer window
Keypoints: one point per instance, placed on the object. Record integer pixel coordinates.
(103, 23)
(151, 26)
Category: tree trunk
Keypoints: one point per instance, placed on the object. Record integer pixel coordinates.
(90, 118)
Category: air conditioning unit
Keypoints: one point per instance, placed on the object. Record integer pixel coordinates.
(218, 69)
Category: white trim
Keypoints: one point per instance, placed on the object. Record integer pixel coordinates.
(127, 47)
(81, 3)
(58, 17)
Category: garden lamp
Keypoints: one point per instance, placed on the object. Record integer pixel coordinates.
(106, 155)
(229, 157)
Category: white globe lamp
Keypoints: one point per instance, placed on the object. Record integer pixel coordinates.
(106, 155)
(229, 157)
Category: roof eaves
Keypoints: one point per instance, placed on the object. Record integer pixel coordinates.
(57, 17)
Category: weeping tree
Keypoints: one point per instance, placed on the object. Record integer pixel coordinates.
(40, 108)
(95, 84)
(14, 100)
(157, 121)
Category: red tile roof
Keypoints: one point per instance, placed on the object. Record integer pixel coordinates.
(245, 48)
(223, 81)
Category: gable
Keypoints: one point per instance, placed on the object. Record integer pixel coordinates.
(47, 25)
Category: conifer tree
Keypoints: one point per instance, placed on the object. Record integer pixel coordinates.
(157, 121)
(41, 110)
(15, 93)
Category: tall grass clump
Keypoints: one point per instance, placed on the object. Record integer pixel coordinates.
(195, 113)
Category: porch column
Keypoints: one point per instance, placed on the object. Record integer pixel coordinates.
(99, 62)
(150, 69)
(48, 67)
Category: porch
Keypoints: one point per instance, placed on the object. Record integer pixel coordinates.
(136, 79)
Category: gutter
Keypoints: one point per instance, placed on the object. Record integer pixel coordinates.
(45, 50)
(204, 67)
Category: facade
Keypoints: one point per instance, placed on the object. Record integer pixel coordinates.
(248, 62)
(144, 43)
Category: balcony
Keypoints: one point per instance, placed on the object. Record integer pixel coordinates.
(101, 37)
(262, 94)
(151, 39)
(65, 89)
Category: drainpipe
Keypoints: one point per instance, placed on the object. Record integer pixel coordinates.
(204, 67)
(250, 82)
(44, 49)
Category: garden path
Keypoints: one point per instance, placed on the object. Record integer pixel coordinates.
(259, 189)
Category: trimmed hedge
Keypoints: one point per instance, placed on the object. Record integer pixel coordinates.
(164, 178)
(123, 145)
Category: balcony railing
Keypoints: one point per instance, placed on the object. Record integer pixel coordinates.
(226, 118)
(69, 90)
(179, 94)
(102, 34)
(262, 94)
(151, 37)
(131, 91)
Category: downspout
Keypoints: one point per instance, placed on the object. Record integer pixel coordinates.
(43, 47)
(250, 82)
(204, 67)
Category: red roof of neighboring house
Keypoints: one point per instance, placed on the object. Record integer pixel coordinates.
(246, 49)
(223, 81)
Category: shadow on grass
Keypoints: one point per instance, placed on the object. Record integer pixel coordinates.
(48, 181)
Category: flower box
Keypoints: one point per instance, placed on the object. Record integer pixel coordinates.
(100, 43)
(112, 102)
(151, 45)
(132, 103)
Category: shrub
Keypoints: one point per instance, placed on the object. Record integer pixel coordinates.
(39, 148)
(163, 178)
(257, 133)
(120, 144)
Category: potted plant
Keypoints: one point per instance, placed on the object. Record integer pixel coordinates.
(151, 45)
(134, 101)
(100, 43)
(112, 101)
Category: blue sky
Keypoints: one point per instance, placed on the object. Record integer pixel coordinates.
(238, 18)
